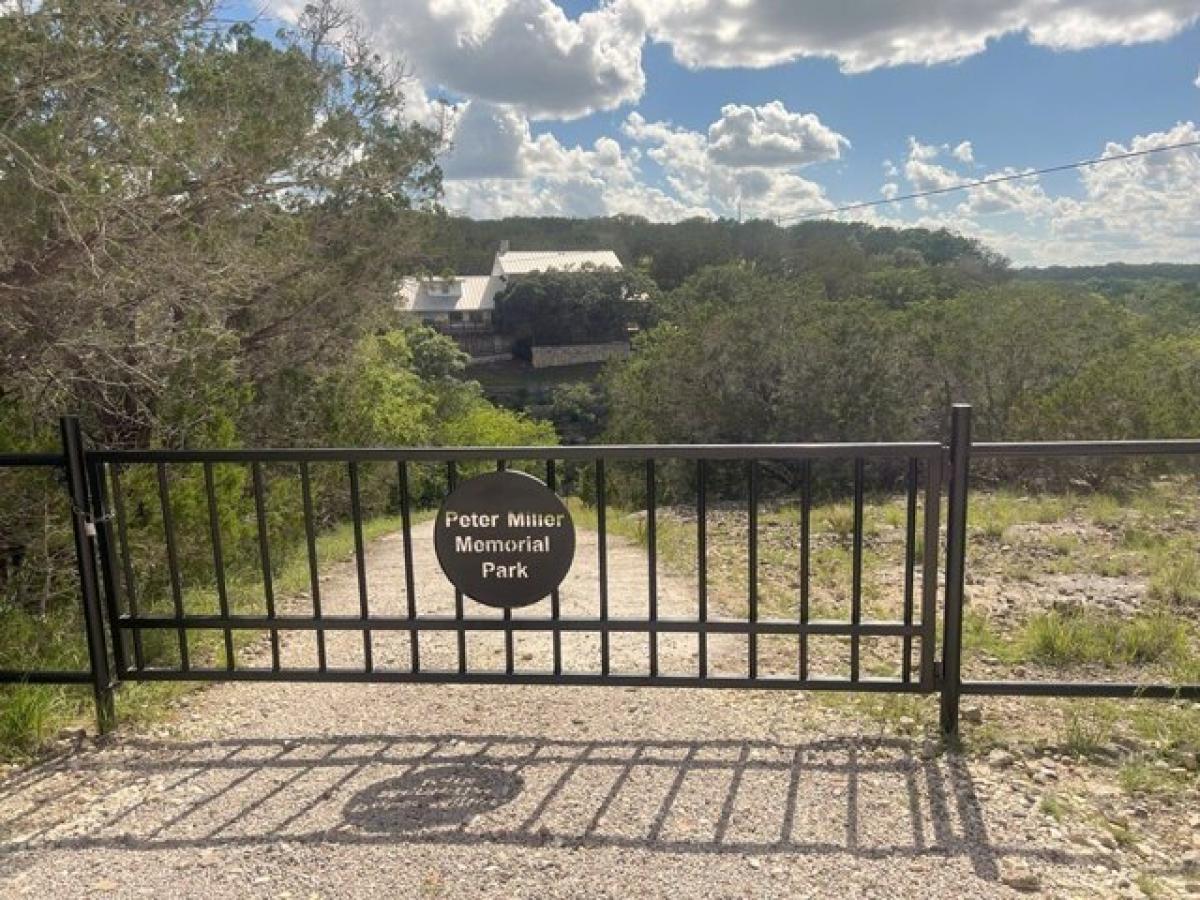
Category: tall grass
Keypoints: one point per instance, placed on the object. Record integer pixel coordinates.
(1078, 638)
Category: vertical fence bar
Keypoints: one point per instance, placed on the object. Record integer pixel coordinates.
(555, 597)
(99, 505)
(602, 558)
(264, 553)
(929, 569)
(410, 582)
(752, 566)
(360, 562)
(956, 551)
(702, 562)
(856, 587)
(451, 484)
(218, 555)
(93, 617)
(164, 499)
(805, 556)
(509, 651)
(910, 562)
(652, 540)
(314, 574)
(139, 656)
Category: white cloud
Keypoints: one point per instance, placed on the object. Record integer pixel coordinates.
(524, 53)
(964, 152)
(498, 168)
(864, 36)
(770, 135)
(923, 173)
(696, 176)
(1144, 209)
(1197, 81)
(530, 54)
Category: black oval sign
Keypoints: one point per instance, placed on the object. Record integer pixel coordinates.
(504, 539)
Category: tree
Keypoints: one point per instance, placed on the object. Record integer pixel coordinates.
(999, 347)
(591, 306)
(184, 199)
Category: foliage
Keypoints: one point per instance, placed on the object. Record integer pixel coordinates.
(194, 214)
(748, 357)
(1149, 388)
(592, 306)
(838, 254)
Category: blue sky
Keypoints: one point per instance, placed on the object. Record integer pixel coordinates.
(673, 108)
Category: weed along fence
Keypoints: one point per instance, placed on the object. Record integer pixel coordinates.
(153, 533)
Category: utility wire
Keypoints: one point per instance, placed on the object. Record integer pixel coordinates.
(816, 213)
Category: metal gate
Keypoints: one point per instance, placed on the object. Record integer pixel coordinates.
(930, 472)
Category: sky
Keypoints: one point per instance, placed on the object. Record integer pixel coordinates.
(781, 109)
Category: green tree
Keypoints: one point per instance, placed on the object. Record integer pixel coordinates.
(591, 306)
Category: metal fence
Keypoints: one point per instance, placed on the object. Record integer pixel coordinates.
(116, 625)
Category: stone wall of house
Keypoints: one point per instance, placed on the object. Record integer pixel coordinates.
(577, 354)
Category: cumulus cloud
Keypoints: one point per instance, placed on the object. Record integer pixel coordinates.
(861, 37)
(964, 152)
(923, 173)
(497, 168)
(1144, 209)
(697, 177)
(525, 53)
(770, 135)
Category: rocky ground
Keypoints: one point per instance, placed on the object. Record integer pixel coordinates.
(306, 790)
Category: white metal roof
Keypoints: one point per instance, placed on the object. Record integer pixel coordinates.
(526, 262)
(474, 292)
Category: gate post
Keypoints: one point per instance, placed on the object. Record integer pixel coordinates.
(84, 531)
(956, 549)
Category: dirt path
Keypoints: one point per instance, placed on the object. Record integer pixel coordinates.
(431, 791)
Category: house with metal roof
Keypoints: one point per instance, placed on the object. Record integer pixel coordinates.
(464, 303)
(509, 263)
(454, 303)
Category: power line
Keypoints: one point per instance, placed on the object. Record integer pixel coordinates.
(999, 179)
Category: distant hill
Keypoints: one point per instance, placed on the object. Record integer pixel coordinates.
(670, 253)
(1113, 272)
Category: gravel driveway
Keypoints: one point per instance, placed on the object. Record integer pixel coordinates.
(304, 790)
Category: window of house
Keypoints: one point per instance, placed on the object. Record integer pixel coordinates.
(456, 317)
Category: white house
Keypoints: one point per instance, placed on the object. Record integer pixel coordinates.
(465, 303)
(458, 303)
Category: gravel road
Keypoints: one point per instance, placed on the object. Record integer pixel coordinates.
(304, 790)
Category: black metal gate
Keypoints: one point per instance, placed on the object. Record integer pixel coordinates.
(116, 626)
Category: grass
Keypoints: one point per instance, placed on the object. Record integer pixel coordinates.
(1144, 776)
(1053, 806)
(1081, 638)
(992, 515)
(1088, 727)
(29, 717)
(1149, 885)
(1175, 575)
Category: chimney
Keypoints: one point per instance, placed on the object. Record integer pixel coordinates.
(503, 247)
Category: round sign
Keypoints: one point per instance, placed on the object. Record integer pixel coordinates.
(504, 539)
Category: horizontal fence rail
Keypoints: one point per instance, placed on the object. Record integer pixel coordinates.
(137, 562)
